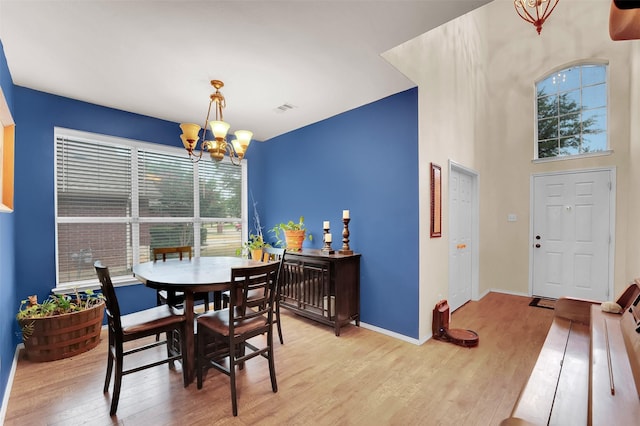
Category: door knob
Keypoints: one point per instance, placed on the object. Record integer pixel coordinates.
(537, 245)
(537, 237)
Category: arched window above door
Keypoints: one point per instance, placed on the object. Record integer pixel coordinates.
(571, 112)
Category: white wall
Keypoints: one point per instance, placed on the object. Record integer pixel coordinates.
(448, 64)
(476, 79)
(576, 31)
(633, 222)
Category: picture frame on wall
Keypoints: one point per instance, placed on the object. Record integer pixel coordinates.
(436, 201)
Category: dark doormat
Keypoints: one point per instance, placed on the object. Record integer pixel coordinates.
(540, 302)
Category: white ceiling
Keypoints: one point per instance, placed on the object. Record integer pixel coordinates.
(156, 58)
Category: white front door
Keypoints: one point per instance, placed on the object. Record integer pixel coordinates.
(572, 227)
(461, 203)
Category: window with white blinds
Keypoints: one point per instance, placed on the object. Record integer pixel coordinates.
(117, 199)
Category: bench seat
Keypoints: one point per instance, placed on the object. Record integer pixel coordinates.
(588, 370)
(557, 391)
(611, 369)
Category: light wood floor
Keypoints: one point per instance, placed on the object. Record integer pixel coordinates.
(359, 378)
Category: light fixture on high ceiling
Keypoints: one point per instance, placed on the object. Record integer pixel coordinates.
(219, 146)
(535, 11)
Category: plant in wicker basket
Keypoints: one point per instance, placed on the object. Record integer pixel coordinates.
(61, 326)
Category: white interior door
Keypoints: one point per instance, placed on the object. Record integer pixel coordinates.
(572, 228)
(461, 220)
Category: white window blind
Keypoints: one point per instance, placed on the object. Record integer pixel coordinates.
(219, 197)
(165, 193)
(116, 200)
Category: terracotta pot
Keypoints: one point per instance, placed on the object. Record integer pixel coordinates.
(62, 336)
(294, 239)
(256, 254)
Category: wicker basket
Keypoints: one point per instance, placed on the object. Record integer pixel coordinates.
(63, 336)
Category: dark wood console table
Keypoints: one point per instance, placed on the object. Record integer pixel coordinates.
(322, 287)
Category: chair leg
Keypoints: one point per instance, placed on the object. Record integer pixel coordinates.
(183, 354)
(199, 356)
(278, 321)
(272, 372)
(240, 351)
(217, 300)
(170, 347)
(232, 382)
(116, 385)
(107, 379)
(206, 302)
(158, 303)
(272, 365)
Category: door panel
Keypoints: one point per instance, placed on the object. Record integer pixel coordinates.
(461, 241)
(571, 228)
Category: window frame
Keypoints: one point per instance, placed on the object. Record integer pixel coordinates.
(134, 220)
(565, 67)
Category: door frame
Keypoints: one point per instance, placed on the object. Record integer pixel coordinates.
(475, 227)
(612, 220)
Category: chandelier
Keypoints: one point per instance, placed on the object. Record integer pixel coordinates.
(219, 146)
(535, 11)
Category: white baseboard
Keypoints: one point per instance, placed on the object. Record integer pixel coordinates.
(512, 293)
(7, 389)
(394, 334)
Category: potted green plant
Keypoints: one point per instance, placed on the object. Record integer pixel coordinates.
(62, 326)
(294, 234)
(253, 246)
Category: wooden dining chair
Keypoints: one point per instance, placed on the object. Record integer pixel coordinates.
(127, 328)
(276, 254)
(225, 333)
(269, 254)
(176, 298)
(253, 255)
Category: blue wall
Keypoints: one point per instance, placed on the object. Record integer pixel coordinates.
(354, 161)
(7, 271)
(36, 115)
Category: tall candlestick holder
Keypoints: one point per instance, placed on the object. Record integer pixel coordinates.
(345, 238)
(327, 244)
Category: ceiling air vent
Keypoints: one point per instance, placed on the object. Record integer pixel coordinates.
(284, 108)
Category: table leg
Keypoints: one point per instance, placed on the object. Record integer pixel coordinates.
(189, 362)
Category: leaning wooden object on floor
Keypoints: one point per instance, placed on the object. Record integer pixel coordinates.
(588, 371)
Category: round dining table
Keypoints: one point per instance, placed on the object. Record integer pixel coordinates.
(197, 275)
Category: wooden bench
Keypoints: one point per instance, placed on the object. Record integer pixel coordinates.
(586, 354)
